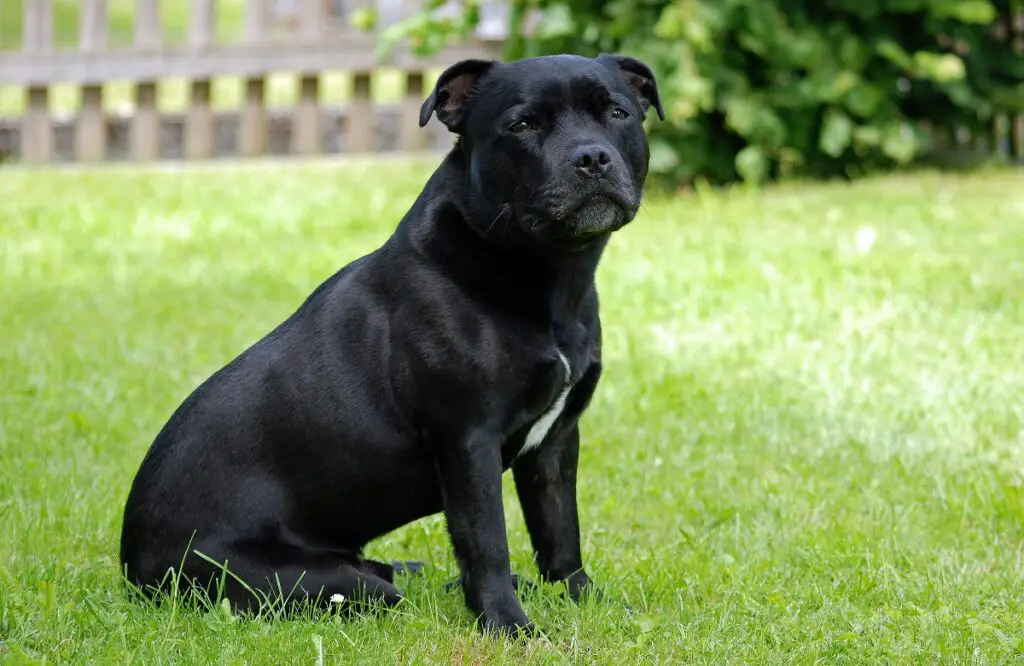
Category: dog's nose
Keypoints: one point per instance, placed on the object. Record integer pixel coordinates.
(592, 160)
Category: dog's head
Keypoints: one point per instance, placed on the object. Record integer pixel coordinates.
(555, 146)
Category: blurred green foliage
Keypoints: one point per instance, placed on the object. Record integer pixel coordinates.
(762, 89)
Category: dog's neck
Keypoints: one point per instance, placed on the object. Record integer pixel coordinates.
(550, 283)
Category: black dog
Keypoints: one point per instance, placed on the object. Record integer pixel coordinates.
(411, 379)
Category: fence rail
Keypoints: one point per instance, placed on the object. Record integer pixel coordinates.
(302, 37)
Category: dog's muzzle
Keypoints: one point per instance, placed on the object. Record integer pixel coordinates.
(596, 215)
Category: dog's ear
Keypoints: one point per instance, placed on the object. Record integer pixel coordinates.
(639, 77)
(452, 92)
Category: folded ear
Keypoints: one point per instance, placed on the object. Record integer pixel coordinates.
(639, 77)
(451, 94)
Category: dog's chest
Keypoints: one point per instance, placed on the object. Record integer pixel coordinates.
(542, 425)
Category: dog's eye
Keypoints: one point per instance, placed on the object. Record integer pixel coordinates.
(520, 126)
(620, 113)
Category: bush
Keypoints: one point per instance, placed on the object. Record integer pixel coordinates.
(761, 89)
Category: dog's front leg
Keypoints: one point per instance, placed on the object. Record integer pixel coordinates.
(546, 484)
(470, 476)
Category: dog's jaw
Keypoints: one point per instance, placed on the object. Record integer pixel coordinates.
(598, 215)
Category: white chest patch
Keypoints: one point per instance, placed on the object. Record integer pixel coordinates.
(542, 425)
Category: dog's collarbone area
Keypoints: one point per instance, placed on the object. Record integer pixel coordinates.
(543, 424)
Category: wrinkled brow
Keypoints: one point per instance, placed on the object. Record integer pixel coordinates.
(585, 93)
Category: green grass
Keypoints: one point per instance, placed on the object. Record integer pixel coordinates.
(173, 93)
(807, 447)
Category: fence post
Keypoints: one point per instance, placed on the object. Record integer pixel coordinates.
(411, 136)
(199, 117)
(91, 128)
(146, 121)
(252, 123)
(306, 119)
(37, 130)
(360, 115)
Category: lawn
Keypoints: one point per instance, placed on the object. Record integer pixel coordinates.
(807, 446)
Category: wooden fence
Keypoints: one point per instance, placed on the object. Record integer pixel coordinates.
(303, 37)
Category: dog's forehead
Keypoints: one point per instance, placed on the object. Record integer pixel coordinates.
(554, 78)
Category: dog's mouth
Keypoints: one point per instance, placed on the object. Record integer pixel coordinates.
(596, 216)
(592, 218)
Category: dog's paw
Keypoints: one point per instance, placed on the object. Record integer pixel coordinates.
(519, 627)
(581, 588)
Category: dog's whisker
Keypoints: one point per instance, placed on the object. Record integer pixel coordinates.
(504, 212)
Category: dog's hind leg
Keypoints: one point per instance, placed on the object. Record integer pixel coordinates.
(314, 578)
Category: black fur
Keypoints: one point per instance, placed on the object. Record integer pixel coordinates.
(406, 383)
